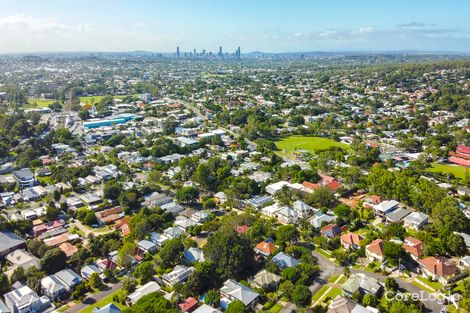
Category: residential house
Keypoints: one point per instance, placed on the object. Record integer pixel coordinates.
(344, 305)
(330, 230)
(53, 288)
(416, 220)
(142, 291)
(396, 216)
(351, 240)
(158, 239)
(21, 258)
(371, 201)
(260, 201)
(286, 215)
(24, 178)
(188, 305)
(108, 308)
(232, 290)
(25, 300)
(361, 283)
(266, 280)
(88, 270)
(265, 248)
(283, 260)
(193, 255)
(375, 250)
(173, 232)
(321, 218)
(385, 207)
(414, 247)
(146, 246)
(178, 275)
(438, 268)
(10, 242)
(204, 308)
(157, 199)
(302, 210)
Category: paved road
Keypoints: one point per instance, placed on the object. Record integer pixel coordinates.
(330, 268)
(93, 298)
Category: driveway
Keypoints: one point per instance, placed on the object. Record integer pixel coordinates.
(330, 268)
(93, 298)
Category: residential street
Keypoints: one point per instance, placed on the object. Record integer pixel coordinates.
(328, 269)
(93, 298)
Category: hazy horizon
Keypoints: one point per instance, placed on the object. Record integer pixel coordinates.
(29, 26)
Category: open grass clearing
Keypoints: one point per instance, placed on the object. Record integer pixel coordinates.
(456, 170)
(307, 143)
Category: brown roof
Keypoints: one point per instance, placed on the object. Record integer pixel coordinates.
(351, 238)
(439, 266)
(376, 247)
(266, 247)
(68, 249)
(413, 246)
(104, 213)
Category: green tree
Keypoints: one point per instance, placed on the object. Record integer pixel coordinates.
(95, 281)
(80, 291)
(171, 253)
(301, 295)
(212, 297)
(153, 303)
(447, 217)
(144, 272)
(232, 254)
(53, 261)
(287, 234)
(236, 307)
(186, 194)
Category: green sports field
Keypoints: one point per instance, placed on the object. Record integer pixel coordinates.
(310, 144)
(458, 171)
(95, 99)
(36, 103)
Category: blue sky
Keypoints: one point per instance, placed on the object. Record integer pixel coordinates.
(265, 25)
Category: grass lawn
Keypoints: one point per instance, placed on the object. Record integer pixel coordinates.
(310, 144)
(433, 284)
(458, 171)
(94, 99)
(320, 293)
(422, 287)
(331, 294)
(38, 103)
(324, 253)
(333, 279)
(103, 302)
(275, 308)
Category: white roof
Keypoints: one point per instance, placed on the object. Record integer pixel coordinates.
(144, 290)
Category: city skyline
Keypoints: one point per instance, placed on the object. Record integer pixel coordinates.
(268, 26)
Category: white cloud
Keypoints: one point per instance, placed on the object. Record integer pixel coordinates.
(28, 33)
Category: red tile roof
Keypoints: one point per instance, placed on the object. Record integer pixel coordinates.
(376, 247)
(243, 229)
(351, 238)
(439, 266)
(459, 161)
(463, 149)
(413, 246)
(266, 247)
(188, 305)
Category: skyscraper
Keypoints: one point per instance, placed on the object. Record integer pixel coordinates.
(220, 52)
(178, 52)
(238, 54)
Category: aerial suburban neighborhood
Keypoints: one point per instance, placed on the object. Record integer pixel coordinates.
(234, 182)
